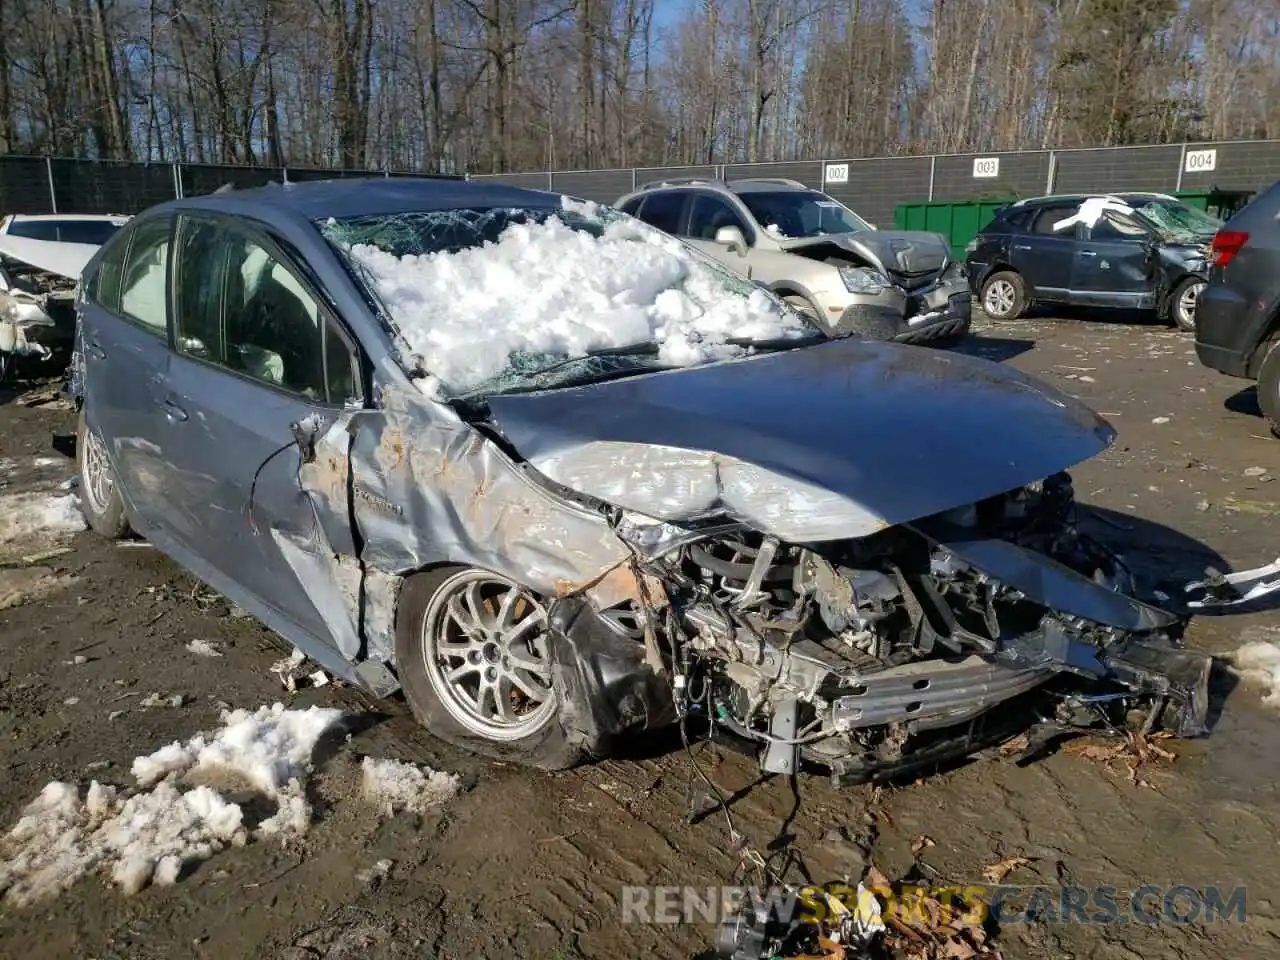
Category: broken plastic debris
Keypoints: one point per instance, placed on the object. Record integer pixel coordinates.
(203, 648)
(1159, 419)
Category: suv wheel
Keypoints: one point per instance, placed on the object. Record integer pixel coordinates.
(474, 655)
(1185, 296)
(1004, 296)
(1269, 388)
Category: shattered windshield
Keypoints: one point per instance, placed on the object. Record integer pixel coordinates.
(500, 300)
(1178, 218)
(790, 214)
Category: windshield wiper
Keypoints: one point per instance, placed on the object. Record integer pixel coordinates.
(776, 343)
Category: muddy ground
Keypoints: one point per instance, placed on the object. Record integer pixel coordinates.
(531, 865)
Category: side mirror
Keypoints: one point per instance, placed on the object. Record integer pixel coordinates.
(732, 238)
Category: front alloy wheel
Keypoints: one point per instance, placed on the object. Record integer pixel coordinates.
(485, 649)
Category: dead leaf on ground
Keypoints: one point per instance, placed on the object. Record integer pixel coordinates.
(1016, 745)
(923, 842)
(996, 872)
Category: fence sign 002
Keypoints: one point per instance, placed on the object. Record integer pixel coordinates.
(836, 173)
(1200, 161)
(986, 167)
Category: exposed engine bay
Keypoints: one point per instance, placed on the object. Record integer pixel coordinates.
(37, 310)
(868, 657)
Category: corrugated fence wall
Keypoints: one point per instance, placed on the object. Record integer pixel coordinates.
(872, 186)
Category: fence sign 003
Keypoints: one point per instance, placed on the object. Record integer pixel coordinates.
(1200, 161)
(985, 167)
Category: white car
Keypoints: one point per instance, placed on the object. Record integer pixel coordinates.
(41, 257)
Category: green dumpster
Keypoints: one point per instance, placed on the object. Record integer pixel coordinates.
(1216, 202)
(957, 220)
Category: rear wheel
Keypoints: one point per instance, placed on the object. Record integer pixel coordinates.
(100, 499)
(473, 650)
(1185, 297)
(1269, 388)
(1004, 296)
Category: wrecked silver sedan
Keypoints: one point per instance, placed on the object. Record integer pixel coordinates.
(560, 478)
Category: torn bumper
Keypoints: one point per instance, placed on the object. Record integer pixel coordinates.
(609, 689)
(934, 312)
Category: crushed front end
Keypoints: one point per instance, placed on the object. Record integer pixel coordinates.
(37, 312)
(874, 657)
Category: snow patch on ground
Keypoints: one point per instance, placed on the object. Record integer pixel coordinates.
(405, 786)
(1259, 662)
(549, 289)
(148, 836)
(27, 516)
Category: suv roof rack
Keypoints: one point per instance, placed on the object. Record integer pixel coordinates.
(677, 182)
(785, 181)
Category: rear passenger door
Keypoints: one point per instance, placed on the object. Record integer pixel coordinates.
(1045, 253)
(124, 352)
(256, 352)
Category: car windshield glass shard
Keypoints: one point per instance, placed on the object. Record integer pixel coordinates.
(790, 214)
(1180, 218)
(492, 300)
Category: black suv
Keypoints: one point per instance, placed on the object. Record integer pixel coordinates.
(1136, 250)
(1238, 331)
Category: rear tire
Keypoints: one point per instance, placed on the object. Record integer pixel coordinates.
(1269, 388)
(1004, 295)
(100, 499)
(474, 657)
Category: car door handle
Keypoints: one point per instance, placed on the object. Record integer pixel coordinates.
(1022, 246)
(173, 411)
(1088, 253)
(95, 350)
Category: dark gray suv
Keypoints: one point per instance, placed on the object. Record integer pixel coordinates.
(1238, 317)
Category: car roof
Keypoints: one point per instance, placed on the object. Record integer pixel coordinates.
(1062, 198)
(366, 196)
(741, 185)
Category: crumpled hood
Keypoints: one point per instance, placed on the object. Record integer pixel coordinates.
(824, 442)
(900, 252)
(65, 259)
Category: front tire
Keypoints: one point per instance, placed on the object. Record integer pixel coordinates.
(1004, 295)
(474, 654)
(100, 499)
(1183, 306)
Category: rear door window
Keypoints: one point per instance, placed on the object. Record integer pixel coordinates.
(96, 232)
(663, 210)
(144, 277)
(1049, 216)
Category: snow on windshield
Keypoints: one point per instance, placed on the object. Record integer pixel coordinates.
(554, 287)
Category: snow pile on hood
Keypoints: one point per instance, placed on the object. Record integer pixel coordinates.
(550, 289)
(404, 786)
(1259, 662)
(148, 836)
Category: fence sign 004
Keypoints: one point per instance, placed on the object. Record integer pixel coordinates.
(836, 173)
(1200, 161)
(986, 167)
